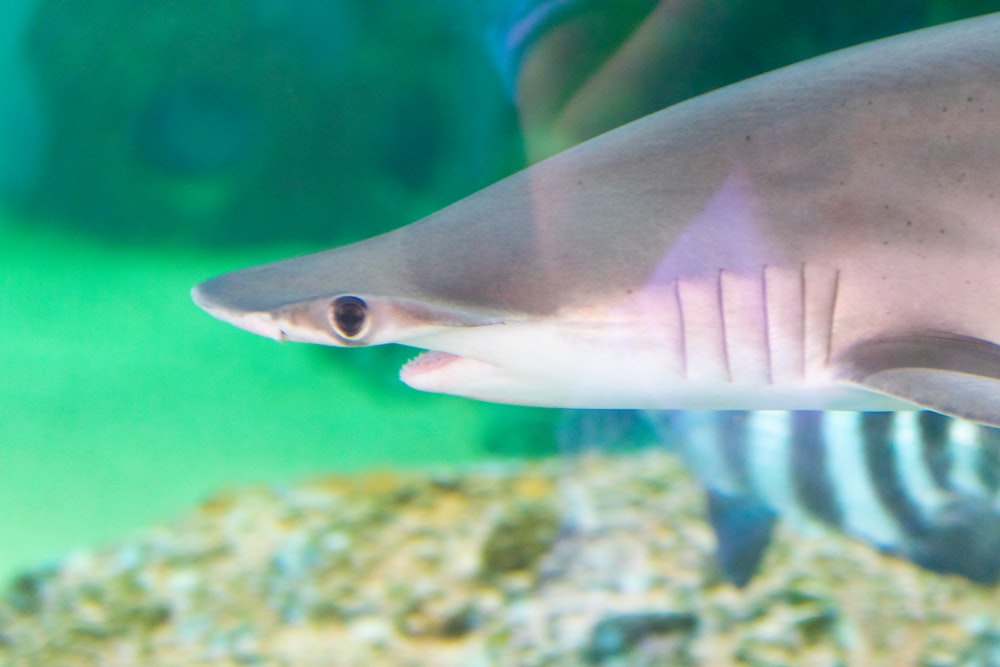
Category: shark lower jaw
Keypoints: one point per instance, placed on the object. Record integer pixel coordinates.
(443, 372)
(426, 362)
(634, 388)
(468, 377)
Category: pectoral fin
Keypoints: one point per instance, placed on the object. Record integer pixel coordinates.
(947, 373)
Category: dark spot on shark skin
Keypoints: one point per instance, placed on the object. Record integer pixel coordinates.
(196, 129)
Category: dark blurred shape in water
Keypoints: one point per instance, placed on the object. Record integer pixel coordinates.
(743, 530)
(244, 121)
(322, 31)
(197, 129)
(521, 433)
(420, 124)
(239, 121)
(603, 430)
(22, 115)
(536, 432)
(576, 68)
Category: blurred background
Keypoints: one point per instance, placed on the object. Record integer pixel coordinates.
(147, 145)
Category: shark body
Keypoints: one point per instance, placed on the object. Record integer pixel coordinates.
(825, 236)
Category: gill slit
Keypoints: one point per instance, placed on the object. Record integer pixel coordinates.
(802, 325)
(722, 320)
(683, 328)
(833, 316)
(767, 326)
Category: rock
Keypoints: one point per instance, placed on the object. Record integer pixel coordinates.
(617, 635)
(600, 560)
(522, 535)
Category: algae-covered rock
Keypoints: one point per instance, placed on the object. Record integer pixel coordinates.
(522, 535)
(599, 560)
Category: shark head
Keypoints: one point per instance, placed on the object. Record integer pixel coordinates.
(486, 331)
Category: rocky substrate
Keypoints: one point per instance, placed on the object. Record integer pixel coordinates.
(600, 560)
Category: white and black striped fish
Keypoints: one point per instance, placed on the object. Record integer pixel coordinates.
(917, 485)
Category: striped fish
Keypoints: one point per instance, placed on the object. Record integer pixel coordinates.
(917, 485)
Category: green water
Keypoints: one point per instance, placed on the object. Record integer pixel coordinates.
(123, 403)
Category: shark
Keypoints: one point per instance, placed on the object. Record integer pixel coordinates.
(821, 237)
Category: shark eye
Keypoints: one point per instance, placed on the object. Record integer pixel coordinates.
(349, 316)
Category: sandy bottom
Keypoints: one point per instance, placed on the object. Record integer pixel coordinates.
(600, 560)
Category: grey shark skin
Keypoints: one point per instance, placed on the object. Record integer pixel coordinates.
(825, 236)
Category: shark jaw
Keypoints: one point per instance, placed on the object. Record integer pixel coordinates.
(625, 386)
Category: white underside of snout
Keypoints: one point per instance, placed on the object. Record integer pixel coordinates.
(268, 325)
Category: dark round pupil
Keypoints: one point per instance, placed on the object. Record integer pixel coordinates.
(349, 314)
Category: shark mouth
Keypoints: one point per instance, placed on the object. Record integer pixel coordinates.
(428, 361)
(447, 373)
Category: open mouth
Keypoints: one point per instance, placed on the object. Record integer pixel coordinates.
(426, 362)
(447, 373)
